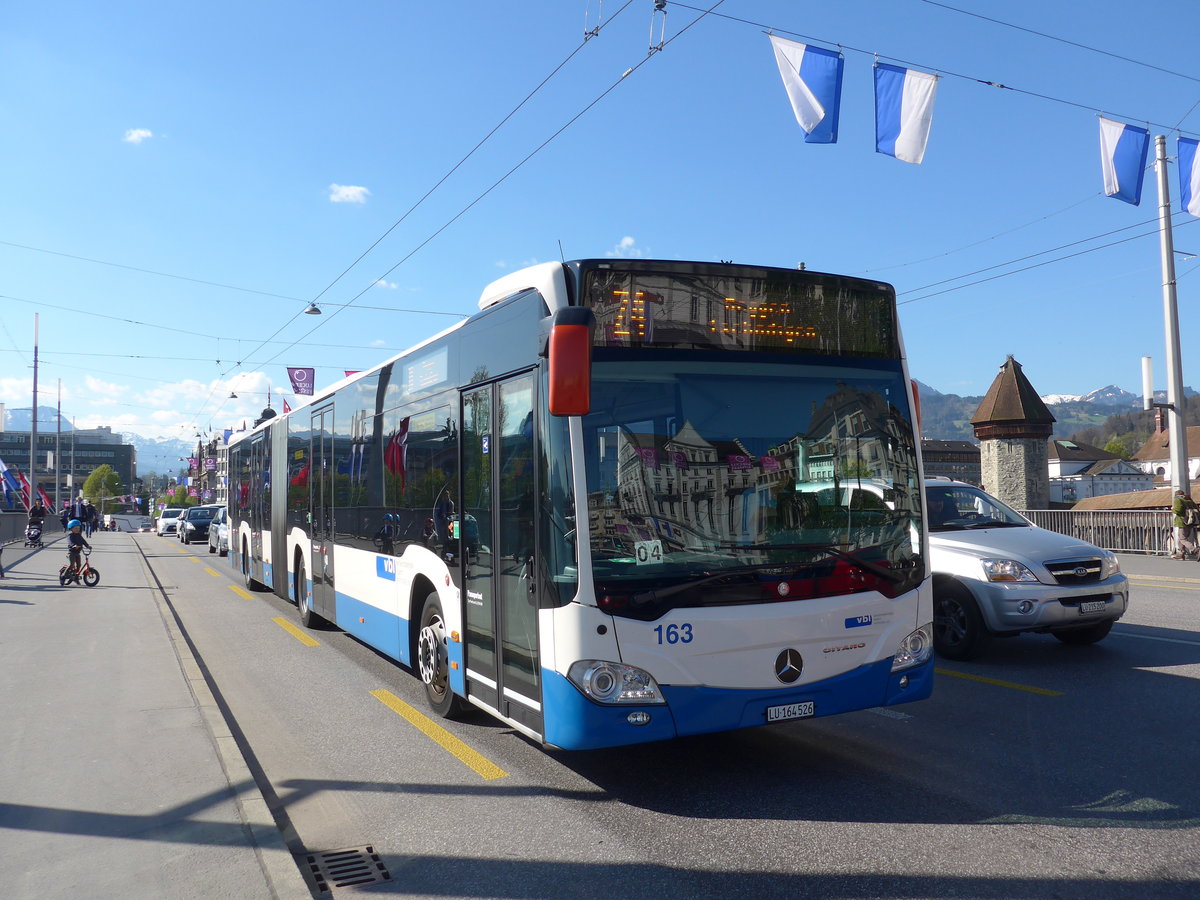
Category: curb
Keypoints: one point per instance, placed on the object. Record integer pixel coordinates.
(278, 865)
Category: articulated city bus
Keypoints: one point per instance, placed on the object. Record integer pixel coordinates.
(626, 501)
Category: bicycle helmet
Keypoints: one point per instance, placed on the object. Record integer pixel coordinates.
(73, 523)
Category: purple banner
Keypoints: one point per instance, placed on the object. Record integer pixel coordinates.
(678, 459)
(210, 464)
(739, 462)
(302, 380)
(649, 458)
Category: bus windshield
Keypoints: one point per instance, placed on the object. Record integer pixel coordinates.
(718, 481)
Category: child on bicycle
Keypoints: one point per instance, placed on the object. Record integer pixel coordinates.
(75, 543)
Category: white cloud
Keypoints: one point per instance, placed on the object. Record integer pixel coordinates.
(383, 282)
(347, 193)
(378, 343)
(627, 248)
(137, 135)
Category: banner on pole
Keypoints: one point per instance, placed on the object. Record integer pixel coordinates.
(1123, 150)
(302, 380)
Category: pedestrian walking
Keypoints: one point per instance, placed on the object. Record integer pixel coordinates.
(1187, 517)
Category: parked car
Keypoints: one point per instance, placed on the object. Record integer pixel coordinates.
(218, 533)
(193, 524)
(167, 520)
(995, 573)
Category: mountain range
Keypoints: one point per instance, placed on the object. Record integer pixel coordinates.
(947, 417)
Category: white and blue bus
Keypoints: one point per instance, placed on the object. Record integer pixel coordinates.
(627, 500)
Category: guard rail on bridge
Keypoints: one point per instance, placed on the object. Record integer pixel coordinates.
(1119, 530)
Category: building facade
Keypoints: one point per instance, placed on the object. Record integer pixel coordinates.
(65, 461)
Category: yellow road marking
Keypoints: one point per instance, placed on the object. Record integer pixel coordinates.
(1167, 584)
(237, 590)
(295, 632)
(1006, 684)
(194, 559)
(472, 759)
(211, 571)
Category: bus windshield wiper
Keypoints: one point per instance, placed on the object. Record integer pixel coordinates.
(651, 595)
(875, 569)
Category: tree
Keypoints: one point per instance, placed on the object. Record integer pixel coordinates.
(1117, 446)
(102, 486)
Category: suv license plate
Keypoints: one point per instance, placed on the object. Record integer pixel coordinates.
(1091, 606)
(791, 711)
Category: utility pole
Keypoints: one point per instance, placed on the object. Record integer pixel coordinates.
(58, 452)
(33, 482)
(1180, 477)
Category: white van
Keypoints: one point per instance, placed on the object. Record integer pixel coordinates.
(130, 522)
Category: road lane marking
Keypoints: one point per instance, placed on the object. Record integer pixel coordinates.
(472, 759)
(194, 559)
(211, 571)
(1154, 637)
(296, 632)
(1167, 584)
(996, 682)
(237, 590)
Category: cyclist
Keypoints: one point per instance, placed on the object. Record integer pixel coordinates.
(75, 543)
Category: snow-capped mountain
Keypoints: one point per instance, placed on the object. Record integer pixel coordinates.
(1111, 395)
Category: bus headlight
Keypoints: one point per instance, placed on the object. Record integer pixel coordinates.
(915, 649)
(610, 682)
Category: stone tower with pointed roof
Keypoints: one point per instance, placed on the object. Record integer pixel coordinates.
(1013, 426)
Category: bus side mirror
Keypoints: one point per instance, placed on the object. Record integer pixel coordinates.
(570, 361)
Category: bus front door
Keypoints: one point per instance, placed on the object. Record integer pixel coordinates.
(495, 532)
(321, 505)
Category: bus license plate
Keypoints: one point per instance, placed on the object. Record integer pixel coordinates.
(791, 711)
(1091, 606)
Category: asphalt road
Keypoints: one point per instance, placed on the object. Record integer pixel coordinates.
(1041, 770)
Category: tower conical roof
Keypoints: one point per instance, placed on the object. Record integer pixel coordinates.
(1012, 405)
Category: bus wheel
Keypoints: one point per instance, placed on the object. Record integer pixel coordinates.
(433, 661)
(250, 583)
(958, 629)
(308, 618)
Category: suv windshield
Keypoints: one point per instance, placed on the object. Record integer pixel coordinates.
(721, 481)
(958, 507)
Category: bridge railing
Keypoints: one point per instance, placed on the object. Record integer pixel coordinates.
(1119, 530)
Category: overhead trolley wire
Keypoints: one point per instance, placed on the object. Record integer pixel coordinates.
(1051, 37)
(587, 37)
(515, 168)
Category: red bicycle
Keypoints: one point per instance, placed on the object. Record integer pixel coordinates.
(72, 573)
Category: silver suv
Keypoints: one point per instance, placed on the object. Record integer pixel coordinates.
(996, 573)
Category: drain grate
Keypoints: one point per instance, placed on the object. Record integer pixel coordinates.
(347, 868)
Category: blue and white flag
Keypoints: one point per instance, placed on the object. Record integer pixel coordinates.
(1123, 151)
(812, 77)
(903, 111)
(1189, 176)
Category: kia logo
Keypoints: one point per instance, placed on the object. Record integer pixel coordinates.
(788, 665)
(1080, 571)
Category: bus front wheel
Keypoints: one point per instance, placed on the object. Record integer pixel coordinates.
(433, 662)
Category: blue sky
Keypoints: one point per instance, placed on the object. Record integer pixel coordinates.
(196, 174)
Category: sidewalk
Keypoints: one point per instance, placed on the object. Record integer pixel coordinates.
(120, 777)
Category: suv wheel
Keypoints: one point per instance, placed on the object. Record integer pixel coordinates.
(958, 629)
